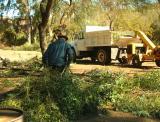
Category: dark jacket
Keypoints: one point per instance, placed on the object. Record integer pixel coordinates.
(58, 53)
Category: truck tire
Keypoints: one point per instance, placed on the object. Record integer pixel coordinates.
(120, 60)
(136, 62)
(123, 60)
(103, 57)
(157, 62)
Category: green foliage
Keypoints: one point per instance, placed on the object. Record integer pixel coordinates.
(66, 94)
(141, 104)
(55, 97)
(143, 14)
(155, 31)
(12, 73)
(12, 102)
(8, 83)
(26, 47)
(10, 37)
(33, 64)
(150, 81)
(36, 99)
(69, 97)
(20, 38)
(139, 95)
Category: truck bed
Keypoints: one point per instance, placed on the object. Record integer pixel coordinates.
(109, 38)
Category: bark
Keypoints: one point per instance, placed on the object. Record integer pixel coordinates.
(42, 38)
(110, 22)
(45, 13)
(33, 33)
(110, 25)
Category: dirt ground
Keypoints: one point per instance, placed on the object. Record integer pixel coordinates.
(18, 55)
(83, 66)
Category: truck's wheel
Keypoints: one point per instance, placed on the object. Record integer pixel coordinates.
(157, 62)
(102, 57)
(136, 62)
(120, 60)
(123, 60)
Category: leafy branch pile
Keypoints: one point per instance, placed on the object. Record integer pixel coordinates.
(54, 98)
(139, 95)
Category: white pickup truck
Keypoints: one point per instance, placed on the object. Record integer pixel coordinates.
(99, 43)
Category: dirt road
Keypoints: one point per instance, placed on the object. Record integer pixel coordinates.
(83, 66)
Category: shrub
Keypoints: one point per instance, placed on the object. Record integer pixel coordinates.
(10, 37)
(27, 47)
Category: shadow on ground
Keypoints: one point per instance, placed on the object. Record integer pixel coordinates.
(114, 116)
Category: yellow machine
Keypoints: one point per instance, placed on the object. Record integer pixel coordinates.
(146, 51)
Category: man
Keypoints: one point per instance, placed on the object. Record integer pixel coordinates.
(58, 54)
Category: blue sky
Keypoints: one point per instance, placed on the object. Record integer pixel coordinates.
(9, 12)
(12, 11)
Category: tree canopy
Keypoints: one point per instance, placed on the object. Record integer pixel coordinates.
(73, 15)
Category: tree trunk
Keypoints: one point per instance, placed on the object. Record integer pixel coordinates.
(33, 33)
(110, 25)
(42, 33)
(45, 10)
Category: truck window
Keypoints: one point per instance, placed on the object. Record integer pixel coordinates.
(141, 49)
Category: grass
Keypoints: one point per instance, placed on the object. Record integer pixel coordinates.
(24, 47)
(140, 95)
(27, 47)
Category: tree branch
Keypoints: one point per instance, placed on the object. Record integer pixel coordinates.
(45, 11)
(67, 9)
